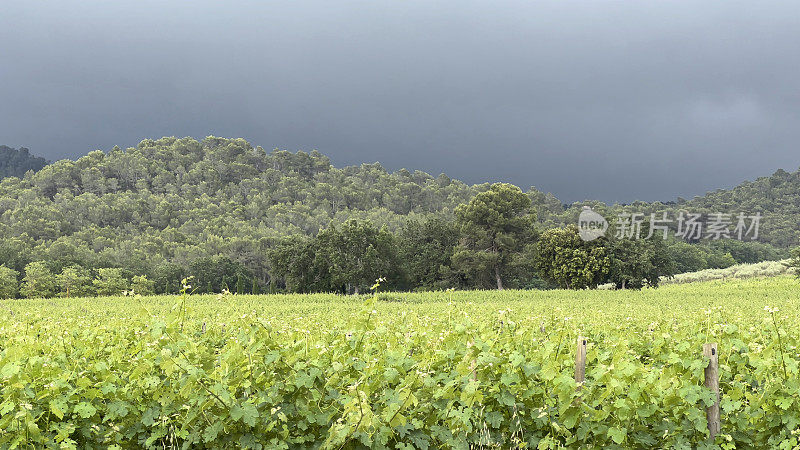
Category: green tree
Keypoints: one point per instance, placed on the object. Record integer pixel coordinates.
(167, 278)
(215, 273)
(720, 260)
(16, 252)
(39, 281)
(563, 258)
(141, 285)
(74, 281)
(687, 257)
(638, 262)
(495, 226)
(15, 162)
(241, 283)
(293, 260)
(356, 253)
(9, 282)
(662, 264)
(110, 282)
(747, 252)
(426, 249)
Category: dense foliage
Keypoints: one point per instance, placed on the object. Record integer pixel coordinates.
(17, 162)
(211, 209)
(346, 259)
(566, 260)
(776, 198)
(241, 219)
(435, 370)
(495, 227)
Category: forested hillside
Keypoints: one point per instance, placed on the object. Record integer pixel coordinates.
(15, 162)
(776, 198)
(160, 207)
(237, 217)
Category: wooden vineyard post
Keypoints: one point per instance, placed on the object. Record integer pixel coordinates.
(472, 364)
(580, 362)
(712, 382)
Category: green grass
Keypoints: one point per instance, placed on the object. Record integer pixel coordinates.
(436, 370)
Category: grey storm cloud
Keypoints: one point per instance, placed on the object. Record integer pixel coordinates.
(614, 101)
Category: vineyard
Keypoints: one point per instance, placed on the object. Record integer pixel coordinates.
(480, 369)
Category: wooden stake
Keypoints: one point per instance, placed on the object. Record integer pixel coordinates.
(580, 362)
(712, 382)
(472, 364)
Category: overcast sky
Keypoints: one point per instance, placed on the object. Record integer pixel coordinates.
(614, 101)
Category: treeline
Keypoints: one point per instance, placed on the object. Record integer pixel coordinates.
(72, 281)
(240, 218)
(494, 241)
(213, 209)
(16, 162)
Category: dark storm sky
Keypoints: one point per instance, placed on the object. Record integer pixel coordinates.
(587, 99)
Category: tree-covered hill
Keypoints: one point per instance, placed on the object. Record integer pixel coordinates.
(229, 213)
(15, 162)
(157, 208)
(776, 198)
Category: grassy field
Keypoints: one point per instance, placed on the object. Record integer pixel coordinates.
(431, 370)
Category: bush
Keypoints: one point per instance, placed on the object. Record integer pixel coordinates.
(9, 284)
(39, 281)
(110, 281)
